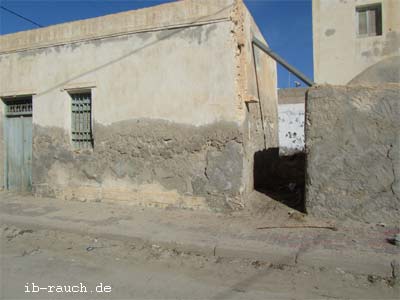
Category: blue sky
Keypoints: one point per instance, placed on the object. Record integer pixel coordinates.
(286, 25)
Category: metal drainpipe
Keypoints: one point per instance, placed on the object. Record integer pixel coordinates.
(280, 60)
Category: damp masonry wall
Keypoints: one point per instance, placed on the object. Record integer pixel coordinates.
(171, 89)
(353, 152)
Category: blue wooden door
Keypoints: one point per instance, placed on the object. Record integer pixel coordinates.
(18, 130)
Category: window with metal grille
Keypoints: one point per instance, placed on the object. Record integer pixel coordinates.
(21, 106)
(369, 20)
(82, 137)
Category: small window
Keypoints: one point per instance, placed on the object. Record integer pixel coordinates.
(19, 106)
(82, 137)
(369, 20)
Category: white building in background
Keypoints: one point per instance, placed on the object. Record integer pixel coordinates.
(355, 42)
(351, 36)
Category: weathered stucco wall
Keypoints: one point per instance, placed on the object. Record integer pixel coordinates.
(143, 161)
(257, 80)
(168, 108)
(339, 55)
(353, 152)
(164, 74)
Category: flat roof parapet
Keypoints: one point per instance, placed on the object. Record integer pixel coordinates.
(165, 16)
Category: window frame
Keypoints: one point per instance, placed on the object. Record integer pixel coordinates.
(377, 7)
(84, 143)
(16, 106)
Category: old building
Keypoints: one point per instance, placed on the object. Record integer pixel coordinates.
(356, 36)
(160, 106)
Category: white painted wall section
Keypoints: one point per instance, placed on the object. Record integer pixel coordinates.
(291, 128)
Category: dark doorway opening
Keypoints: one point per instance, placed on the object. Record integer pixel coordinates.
(281, 177)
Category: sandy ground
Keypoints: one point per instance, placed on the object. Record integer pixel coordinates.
(144, 271)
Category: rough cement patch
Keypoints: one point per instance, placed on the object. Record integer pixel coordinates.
(353, 152)
(223, 168)
(191, 161)
(330, 32)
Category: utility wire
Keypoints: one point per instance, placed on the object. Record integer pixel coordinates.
(20, 16)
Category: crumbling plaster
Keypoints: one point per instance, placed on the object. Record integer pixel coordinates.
(256, 86)
(201, 163)
(170, 120)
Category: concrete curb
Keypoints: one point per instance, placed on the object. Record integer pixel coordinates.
(278, 255)
(348, 261)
